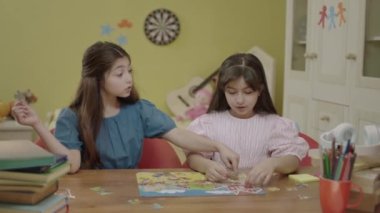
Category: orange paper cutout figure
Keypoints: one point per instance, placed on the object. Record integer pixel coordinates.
(323, 16)
(340, 13)
(125, 23)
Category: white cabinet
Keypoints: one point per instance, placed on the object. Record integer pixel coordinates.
(332, 64)
(297, 90)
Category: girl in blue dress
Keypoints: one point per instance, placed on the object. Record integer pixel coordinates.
(105, 125)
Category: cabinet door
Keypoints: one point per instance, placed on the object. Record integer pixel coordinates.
(327, 116)
(296, 32)
(296, 78)
(333, 24)
(368, 69)
(365, 91)
(362, 117)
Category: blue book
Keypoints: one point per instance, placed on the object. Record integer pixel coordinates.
(17, 154)
(53, 203)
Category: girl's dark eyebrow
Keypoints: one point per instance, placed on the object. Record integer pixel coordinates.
(229, 87)
(120, 66)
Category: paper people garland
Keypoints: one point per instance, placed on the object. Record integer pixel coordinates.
(330, 14)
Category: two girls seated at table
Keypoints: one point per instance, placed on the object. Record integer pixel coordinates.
(106, 123)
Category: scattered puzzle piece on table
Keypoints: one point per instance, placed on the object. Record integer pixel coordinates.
(297, 187)
(105, 193)
(157, 206)
(304, 197)
(100, 190)
(302, 185)
(134, 201)
(66, 192)
(96, 188)
(272, 189)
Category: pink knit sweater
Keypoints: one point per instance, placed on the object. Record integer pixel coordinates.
(255, 138)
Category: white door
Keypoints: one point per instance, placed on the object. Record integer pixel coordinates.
(331, 25)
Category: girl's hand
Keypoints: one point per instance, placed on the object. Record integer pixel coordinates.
(229, 157)
(261, 174)
(215, 172)
(24, 114)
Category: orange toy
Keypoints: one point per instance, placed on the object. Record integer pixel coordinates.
(5, 109)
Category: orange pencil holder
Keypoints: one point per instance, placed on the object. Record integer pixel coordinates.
(334, 195)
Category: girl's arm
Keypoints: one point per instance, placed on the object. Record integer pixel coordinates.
(286, 148)
(261, 174)
(196, 143)
(213, 170)
(54, 146)
(25, 115)
(286, 164)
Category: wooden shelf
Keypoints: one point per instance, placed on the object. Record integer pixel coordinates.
(302, 42)
(373, 38)
(11, 130)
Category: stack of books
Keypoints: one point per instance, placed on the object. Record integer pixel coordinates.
(29, 177)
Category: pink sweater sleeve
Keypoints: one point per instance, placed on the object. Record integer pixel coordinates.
(285, 140)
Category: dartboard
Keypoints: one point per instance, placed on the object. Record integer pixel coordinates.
(161, 26)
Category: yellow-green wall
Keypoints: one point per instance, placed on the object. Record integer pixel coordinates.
(42, 42)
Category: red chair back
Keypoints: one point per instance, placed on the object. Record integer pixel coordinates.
(306, 161)
(158, 153)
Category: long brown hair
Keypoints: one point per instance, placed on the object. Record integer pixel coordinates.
(250, 68)
(88, 105)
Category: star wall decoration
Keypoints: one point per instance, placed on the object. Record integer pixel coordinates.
(117, 32)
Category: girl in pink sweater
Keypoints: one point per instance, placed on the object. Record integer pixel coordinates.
(242, 116)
